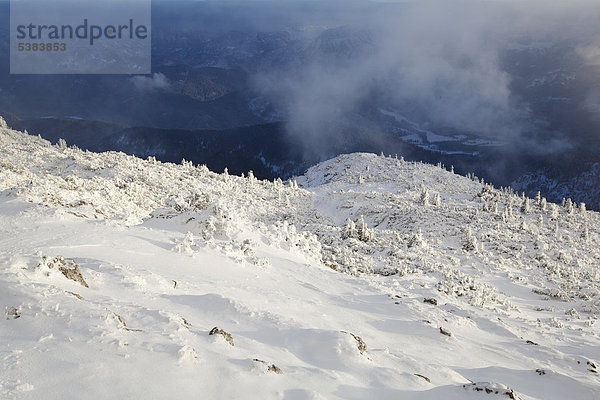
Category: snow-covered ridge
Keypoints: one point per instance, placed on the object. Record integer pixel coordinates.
(442, 278)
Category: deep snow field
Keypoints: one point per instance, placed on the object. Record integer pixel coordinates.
(114, 271)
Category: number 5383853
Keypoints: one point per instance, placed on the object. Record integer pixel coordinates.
(42, 46)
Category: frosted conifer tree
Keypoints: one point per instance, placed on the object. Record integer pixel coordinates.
(525, 207)
(554, 211)
(203, 169)
(364, 233)
(569, 206)
(349, 230)
(424, 197)
(469, 241)
(187, 245)
(416, 239)
(437, 200)
(585, 233)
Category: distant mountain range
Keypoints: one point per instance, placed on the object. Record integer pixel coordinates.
(205, 102)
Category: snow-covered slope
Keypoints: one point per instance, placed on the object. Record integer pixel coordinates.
(369, 277)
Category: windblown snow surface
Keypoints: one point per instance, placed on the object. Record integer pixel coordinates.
(115, 270)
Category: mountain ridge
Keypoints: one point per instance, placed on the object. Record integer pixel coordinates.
(338, 279)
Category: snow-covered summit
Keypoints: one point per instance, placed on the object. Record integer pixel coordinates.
(368, 277)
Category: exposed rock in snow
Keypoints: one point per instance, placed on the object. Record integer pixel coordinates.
(218, 331)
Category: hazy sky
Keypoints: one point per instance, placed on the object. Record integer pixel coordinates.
(442, 56)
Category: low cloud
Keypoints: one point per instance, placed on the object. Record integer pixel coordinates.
(157, 81)
(437, 61)
(590, 53)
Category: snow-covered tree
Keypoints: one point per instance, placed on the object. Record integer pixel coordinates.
(203, 169)
(469, 241)
(424, 199)
(569, 208)
(187, 245)
(349, 230)
(364, 233)
(437, 200)
(525, 207)
(416, 239)
(585, 233)
(554, 212)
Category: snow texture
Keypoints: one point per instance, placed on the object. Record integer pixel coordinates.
(368, 277)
